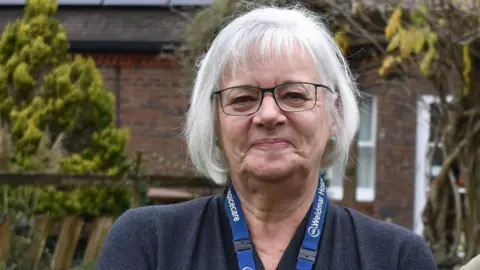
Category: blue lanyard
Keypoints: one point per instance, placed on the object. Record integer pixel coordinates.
(313, 232)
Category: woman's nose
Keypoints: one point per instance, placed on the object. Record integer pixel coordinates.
(269, 114)
(269, 105)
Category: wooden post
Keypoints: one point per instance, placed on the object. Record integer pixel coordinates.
(5, 236)
(95, 241)
(67, 243)
(136, 196)
(41, 229)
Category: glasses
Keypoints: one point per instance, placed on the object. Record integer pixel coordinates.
(289, 97)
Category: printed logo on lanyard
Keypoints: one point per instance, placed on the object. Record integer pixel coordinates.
(233, 208)
(313, 229)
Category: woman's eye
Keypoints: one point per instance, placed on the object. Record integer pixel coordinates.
(293, 95)
(243, 99)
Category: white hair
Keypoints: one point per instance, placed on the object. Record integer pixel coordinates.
(273, 30)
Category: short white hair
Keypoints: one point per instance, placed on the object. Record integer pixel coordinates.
(274, 30)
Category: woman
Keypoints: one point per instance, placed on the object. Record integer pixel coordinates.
(273, 104)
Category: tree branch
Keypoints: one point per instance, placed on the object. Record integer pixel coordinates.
(362, 30)
(458, 214)
(176, 11)
(451, 158)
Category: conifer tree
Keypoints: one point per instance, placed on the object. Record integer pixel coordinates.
(46, 90)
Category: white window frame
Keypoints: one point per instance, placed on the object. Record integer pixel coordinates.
(423, 145)
(362, 194)
(421, 179)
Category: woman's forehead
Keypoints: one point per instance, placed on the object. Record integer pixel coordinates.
(267, 52)
(275, 68)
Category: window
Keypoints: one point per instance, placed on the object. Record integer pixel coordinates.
(434, 151)
(364, 158)
(365, 171)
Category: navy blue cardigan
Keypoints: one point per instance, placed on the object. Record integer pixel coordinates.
(196, 235)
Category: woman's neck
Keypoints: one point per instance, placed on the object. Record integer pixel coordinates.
(273, 212)
(266, 203)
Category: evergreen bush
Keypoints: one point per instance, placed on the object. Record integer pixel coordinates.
(48, 93)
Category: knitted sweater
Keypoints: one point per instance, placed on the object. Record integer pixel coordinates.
(197, 235)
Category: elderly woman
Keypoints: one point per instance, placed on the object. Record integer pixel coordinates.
(273, 104)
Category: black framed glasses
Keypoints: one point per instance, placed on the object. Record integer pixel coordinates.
(290, 97)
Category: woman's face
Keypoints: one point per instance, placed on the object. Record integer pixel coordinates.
(272, 144)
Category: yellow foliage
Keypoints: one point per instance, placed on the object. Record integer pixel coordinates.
(341, 38)
(408, 42)
(32, 132)
(420, 41)
(40, 48)
(386, 65)
(22, 78)
(467, 69)
(432, 38)
(40, 7)
(418, 16)
(393, 23)
(427, 59)
(414, 39)
(394, 43)
(12, 62)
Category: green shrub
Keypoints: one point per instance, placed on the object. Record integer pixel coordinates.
(48, 95)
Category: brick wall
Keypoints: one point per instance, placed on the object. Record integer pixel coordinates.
(151, 103)
(395, 169)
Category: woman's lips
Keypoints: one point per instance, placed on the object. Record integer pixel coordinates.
(272, 143)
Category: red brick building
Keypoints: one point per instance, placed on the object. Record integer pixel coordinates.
(133, 47)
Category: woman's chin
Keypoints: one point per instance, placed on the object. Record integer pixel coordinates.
(271, 171)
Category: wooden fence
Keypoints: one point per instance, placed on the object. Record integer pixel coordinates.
(71, 230)
(189, 183)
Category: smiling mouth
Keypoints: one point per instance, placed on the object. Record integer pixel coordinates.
(269, 144)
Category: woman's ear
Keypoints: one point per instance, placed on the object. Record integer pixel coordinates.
(333, 130)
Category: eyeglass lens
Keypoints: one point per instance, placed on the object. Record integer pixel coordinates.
(243, 100)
